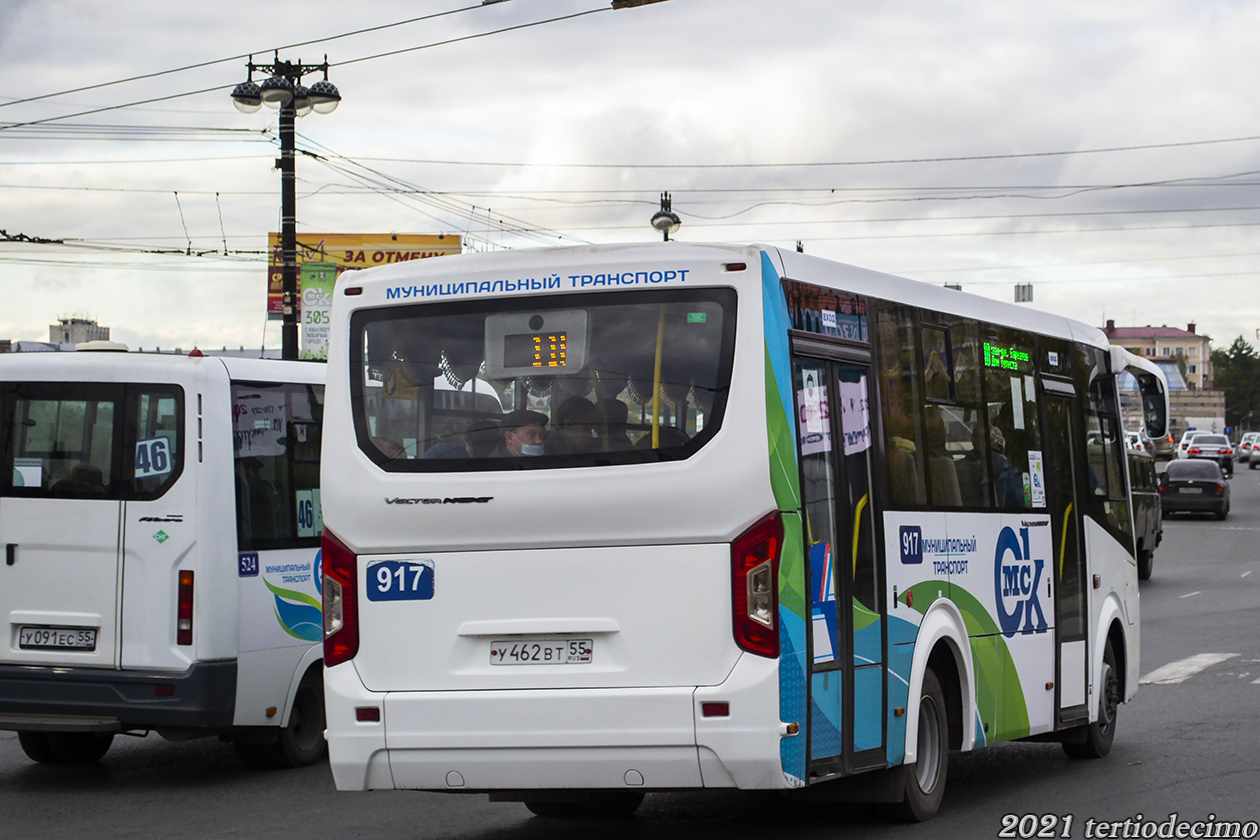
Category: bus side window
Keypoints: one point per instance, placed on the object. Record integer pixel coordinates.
(1014, 419)
(903, 431)
(277, 465)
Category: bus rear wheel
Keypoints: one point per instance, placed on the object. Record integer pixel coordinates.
(1097, 736)
(301, 742)
(65, 747)
(606, 804)
(924, 781)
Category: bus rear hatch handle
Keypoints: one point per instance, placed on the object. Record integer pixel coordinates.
(10, 554)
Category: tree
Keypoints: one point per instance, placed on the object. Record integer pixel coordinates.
(1237, 373)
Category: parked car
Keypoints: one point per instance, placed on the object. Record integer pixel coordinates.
(1246, 445)
(1194, 485)
(1148, 520)
(1136, 441)
(1212, 447)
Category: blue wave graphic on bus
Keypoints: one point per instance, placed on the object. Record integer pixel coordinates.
(299, 614)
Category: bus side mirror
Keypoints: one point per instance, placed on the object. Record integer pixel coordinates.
(1154, 404)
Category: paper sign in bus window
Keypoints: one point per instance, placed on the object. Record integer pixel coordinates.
(153, 457)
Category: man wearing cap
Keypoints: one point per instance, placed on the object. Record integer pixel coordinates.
(522, 434)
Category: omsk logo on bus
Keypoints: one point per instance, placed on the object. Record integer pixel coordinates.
(1017, 579)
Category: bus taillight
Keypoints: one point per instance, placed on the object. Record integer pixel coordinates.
(341, 621)
(755, 588)
(184, 609)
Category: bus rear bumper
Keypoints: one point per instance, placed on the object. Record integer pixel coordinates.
(614, 738)
(47, 699)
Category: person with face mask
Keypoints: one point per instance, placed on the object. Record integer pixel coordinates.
(522, 434)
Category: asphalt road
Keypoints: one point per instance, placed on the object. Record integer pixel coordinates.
(1186, 745)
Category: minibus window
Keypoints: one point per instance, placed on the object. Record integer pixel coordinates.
(62, 440)
(276, 447)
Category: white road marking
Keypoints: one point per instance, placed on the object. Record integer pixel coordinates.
(1184, 669)
(1191, 594)
(1244, 574)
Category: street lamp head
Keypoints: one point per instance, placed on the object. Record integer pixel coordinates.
(324, 96)
(301, 100)
(247, 97)
(276, 91)
(666, 222)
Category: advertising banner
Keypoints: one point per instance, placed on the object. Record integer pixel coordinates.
(351, 250)
(315, 290)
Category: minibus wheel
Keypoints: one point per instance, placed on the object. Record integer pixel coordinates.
(924, 780)
(37, 747)
(65, 747)
(1098, 735)
(301, 742)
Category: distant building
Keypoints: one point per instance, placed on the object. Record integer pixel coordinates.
(77, 331)
(1170, 347)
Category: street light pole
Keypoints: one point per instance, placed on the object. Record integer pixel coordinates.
(288, 233)
(284, 90)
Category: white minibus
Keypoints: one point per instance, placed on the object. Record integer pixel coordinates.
(160, 517)
(746, 519)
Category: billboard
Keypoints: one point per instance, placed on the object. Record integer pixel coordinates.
(350, 250)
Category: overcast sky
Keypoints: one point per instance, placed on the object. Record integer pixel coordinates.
(839, 125)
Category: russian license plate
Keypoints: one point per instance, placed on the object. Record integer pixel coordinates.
(57, 638)
(544, 652)
(1191, 489)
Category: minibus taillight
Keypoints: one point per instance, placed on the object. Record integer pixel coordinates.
(341, 620)
(184, 609)
(755, 586)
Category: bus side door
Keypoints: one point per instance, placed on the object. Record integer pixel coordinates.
(846, 683)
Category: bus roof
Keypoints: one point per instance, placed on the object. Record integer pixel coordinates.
(88, 365)
(537, 262)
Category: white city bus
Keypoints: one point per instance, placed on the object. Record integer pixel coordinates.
(792, 522)
(160, 517)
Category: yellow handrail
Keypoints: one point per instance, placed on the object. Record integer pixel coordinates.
(656, 380)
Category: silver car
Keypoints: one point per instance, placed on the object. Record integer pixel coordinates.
(1210, 447)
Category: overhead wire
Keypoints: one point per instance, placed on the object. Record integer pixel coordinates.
(474, 36)
(250, 55)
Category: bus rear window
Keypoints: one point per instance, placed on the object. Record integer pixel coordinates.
(90, 440)
(563, 381)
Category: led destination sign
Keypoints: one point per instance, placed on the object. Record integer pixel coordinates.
(534, 350)
(1008, 358)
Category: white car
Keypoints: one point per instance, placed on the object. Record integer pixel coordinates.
(1185, 441)
(1138, 442)
(1247, 445)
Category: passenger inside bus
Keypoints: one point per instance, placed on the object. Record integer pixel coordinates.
(615, 415)
(522, 434)
(85, 481)
(576, 422)
(480, 438)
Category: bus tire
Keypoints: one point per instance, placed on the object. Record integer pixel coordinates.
(79, 747)
(924, 781)
(37, 747)
(301, 742)
(1145, 564)
(1098, 735)
(599, 804)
